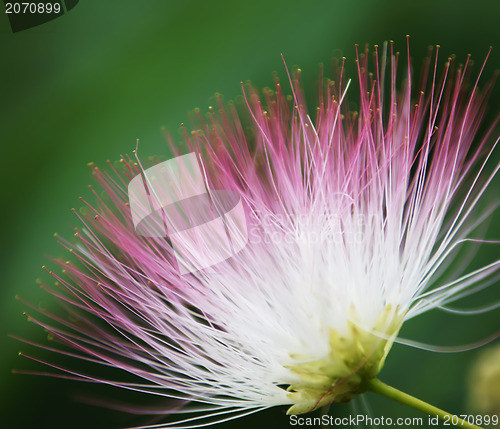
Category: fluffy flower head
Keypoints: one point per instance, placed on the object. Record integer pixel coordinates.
(350, 217)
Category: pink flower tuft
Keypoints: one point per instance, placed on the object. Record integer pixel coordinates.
(352, 218)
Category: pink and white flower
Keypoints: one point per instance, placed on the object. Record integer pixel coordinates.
(352, 218)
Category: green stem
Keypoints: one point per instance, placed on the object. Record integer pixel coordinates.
(377, 386)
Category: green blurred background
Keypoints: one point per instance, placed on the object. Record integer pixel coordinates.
(85, 86)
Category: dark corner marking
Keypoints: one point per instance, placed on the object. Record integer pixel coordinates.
(25, 14)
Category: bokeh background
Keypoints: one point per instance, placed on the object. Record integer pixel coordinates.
(85, 86)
